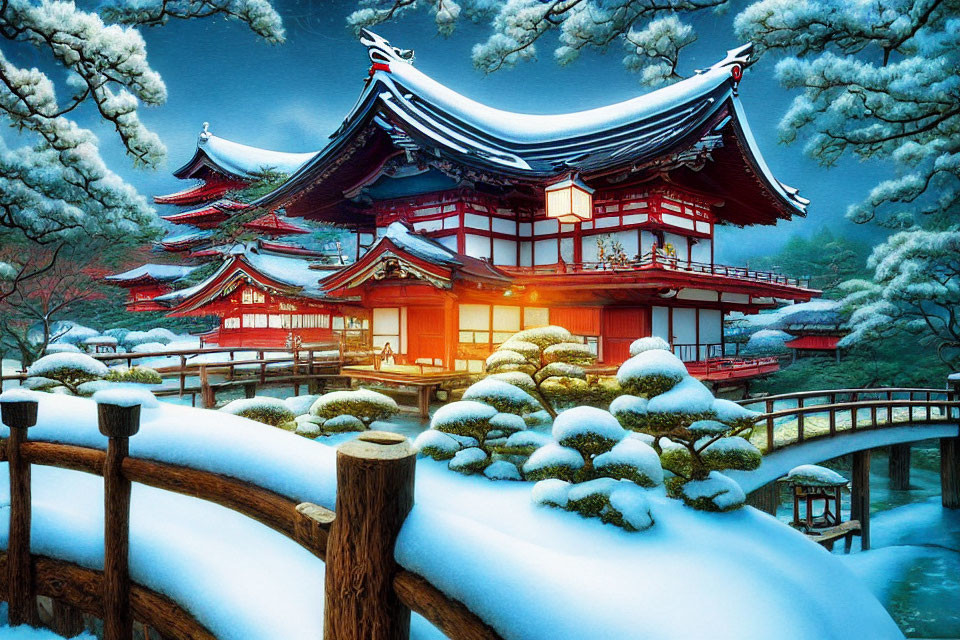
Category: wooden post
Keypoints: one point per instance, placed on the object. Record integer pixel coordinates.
(183, 374)
(118, 423)
(900, 466)
(375, 475)
(67, 619)
(263, 367)
(833, 415)
(860, 495)
(208, 398)
(249, 389)
(769, 408)
(800, 417)
(19, 416)
(950, 472)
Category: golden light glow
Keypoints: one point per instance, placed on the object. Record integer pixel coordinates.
(569, 200)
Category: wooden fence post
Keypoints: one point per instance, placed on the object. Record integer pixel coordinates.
(860, 495)
(208, 398)
(375, 475)
(19, 416)
(118, 423)
(769, 409)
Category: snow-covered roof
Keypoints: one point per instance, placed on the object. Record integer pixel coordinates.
(158, 272)
(240, 160)
(659, 128)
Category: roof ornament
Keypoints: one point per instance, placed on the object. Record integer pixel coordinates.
(382, 53)
(205, 133)
(737, 60)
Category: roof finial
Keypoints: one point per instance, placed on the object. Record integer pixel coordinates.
(205, 133)
(381, 51)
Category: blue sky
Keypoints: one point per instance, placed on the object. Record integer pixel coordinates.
(291, 97)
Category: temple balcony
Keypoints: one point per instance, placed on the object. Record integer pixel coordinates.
(654, 262)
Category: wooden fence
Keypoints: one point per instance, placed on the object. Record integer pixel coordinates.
(849, 410)
(368, 596)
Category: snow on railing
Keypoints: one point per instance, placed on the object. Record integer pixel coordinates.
(368, 595)
(658, 260)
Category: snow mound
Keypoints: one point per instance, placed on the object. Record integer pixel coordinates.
(632, 507)
(551, 492)
(717, 490)
(148, 347)
(688, 396)
(71, 364)
(126, 396)
(572, 424)
(62, 347)
(640, 345)
(767, 342)
(469, 460)
(101, 341)
(21, 395)
(811, 474)
(300, 405)
(502, 470)
(633, 453)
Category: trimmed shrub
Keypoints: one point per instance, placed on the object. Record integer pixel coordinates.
(140, 375)
(263, 409)
(364, 404)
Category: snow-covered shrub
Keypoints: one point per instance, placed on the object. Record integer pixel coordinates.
(470, 460)
(767, 342)
(502, 395)
(592, 455)
(464, 418)
(159, 334)
(528, 350)
(263, 409)
(518, 379)
(569, 353)
(119, 333)
(300, 405)
(149, 347)
(62, 347)
(814, 475)
(695, 435)
(436, 444)
(523, 443)
(364, 404)
(343, 423)
(68, 369)
(640, 345)
(39, 383)
(542, 337)
(560, 369)
(141, 375)
(134, 338)
(71, 332)
(502, 470)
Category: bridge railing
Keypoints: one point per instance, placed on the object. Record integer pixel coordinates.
(795, 417)
(375, 596)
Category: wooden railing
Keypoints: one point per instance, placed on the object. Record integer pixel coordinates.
(368, 596)
(656, 260)
(849, 410)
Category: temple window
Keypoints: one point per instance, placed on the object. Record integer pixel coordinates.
(231, 323)
(475, 323)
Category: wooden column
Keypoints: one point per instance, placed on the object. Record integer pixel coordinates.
(860, 495)
(900, 466)
(375, 475)
(118, 423)
(67, 619)
(950, 472)
(19, 416)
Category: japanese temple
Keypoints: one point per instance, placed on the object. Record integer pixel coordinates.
(471, 223)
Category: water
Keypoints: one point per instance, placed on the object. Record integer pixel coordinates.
(914, 566)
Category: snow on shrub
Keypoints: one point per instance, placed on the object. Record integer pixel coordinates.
(517, 379)
(464, 418)
(502, 470)
(503, 357)
(629, 410)
(528, 350)
(308, 429)
(694, 434)
(648, 344)
(343, 423)
(134, 338)
(69, 369)
(811, 474)
(365, 404)
(560, 369)
(436, 444)
(507, 423)
(71, 332)
(159, 334)
(543, 337)
(503, 396)
(569, 353)
(589, 430)
(469, 461)
(300, 405)
(551, 493)
(149, 347)
(633, 460)
(553, 461)
(39, 383)
(651, 373)
(716, 492)
(767, 342)
(141, 375)
(523, 443)
(62, 347)
(628, 508)
(271, 411)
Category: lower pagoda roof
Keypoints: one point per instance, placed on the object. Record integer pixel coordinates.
(151, 273)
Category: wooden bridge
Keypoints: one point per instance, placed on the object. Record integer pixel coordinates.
(368, 595)
(812, 426)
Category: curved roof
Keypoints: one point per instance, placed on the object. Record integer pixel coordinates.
(403, 109)
(238, 160)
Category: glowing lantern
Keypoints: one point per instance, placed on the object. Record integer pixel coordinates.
(569, 200)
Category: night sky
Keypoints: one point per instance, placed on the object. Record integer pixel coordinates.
(292, 96)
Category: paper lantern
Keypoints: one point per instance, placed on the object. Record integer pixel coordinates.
(569, 200)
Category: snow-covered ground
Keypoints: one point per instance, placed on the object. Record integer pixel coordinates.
(531, 572)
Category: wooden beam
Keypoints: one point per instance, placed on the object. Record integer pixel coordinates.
(451, 617)
(860, 495)
(899, 466)
(375, 476)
